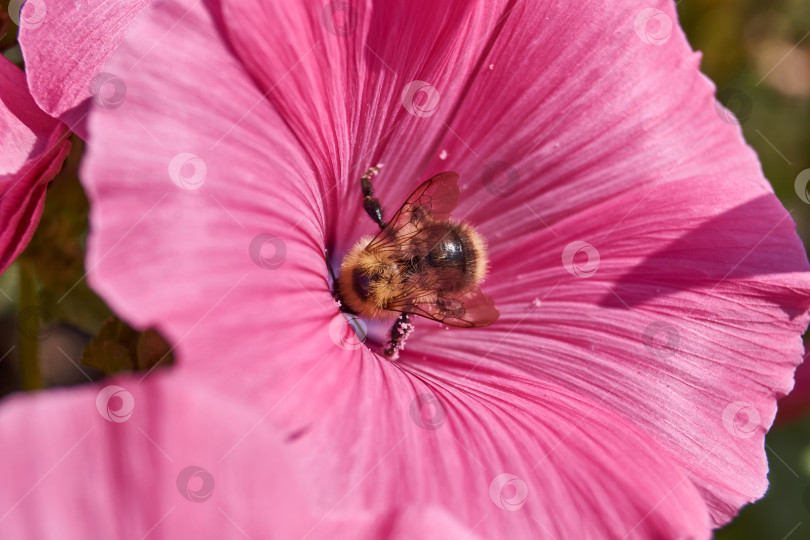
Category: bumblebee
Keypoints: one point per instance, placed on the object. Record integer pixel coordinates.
(421, 263)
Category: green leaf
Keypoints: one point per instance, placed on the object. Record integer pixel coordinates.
(119, 347)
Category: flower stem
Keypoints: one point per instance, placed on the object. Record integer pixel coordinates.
(29, 345)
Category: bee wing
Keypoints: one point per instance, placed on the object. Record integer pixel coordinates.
(471, 309)
(437, 197)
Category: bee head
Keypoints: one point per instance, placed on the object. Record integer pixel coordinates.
(364, 281)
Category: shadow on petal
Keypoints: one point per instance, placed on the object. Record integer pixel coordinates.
(751, 240)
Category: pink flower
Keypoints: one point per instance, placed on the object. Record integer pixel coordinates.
(65, 46)
(652, 289)
(32, 149)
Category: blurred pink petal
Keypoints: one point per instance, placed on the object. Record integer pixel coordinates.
(628, 397)
(166, 458)
(113, 461)
(65, 46)
(423, 522)
(32, 149)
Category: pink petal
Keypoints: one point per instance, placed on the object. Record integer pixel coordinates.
(168, 458)
(632, 157)
(163, 458)
(702, 333)
(65, 46)
(423, 522)
(511, 458)
(32, 149)
(356, 96)
(222, 205)
(578, 380)
(265, 335)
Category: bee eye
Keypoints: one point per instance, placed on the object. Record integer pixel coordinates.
(361, 283)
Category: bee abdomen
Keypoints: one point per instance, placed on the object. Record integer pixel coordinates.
(451, 256)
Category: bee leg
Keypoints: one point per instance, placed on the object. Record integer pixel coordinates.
(399, 333)
(370, 203)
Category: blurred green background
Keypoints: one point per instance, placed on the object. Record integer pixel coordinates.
(756, 52)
